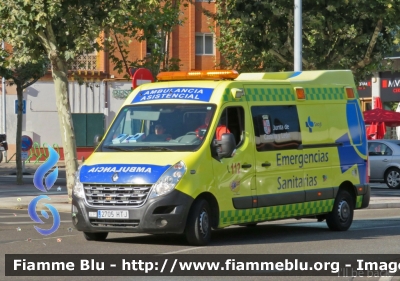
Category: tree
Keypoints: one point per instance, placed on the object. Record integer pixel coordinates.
(60, 30)
(153, 24)
(23, 76)
(258, 35)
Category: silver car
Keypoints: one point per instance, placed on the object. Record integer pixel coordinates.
(384, 162)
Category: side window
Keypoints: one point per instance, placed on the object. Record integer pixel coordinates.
(276, 127)
(231, 121)
(378, 149)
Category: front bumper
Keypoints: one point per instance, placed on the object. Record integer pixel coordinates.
(164, 214)
(365, 190)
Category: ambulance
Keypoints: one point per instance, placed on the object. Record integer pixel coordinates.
(293, 145)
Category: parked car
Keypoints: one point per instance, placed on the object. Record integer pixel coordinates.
(384, 162)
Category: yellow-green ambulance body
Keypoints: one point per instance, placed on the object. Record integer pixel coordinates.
(276, 146)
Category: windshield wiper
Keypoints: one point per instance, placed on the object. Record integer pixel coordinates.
(117, 148)
(153, 148)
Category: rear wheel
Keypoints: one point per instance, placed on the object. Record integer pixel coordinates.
(392, 178)
(341, 217)
(95, 236)
(198, 225)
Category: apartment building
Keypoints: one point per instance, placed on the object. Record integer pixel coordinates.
(95, 103)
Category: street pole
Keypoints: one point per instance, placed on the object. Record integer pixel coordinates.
(297, 36)
(3, 98)
(3, 104)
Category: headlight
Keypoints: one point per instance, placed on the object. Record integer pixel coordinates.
(167, 182)
(78, 187)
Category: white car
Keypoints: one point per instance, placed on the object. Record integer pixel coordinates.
(384, 162)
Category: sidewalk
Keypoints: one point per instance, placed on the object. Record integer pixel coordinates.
(21, 201)
(60, 201)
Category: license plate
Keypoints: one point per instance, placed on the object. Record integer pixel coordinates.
(110, 214)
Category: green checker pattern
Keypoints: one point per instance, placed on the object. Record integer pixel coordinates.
(268, 94)
(275, 212)
(325, 93)
(263, 94)
(287, 94)
(359, 201)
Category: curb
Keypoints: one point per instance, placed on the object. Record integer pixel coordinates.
(390, 205)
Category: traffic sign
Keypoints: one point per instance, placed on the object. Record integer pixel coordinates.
(23, 107)
(141, 76)
(26, 143)
(24, 155)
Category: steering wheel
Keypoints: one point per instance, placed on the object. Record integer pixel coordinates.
(191, 133)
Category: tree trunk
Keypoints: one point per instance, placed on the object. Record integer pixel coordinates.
(60, 77)
(19, 133)
(65, 118)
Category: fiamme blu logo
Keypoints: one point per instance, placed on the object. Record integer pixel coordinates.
(44, 180)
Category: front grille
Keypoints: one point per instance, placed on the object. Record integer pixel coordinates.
(134, 195)
(115, 223)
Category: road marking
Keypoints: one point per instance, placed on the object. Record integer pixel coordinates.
(383, 226)
(12, 216)
(386, 278)
(45, 238)
(26, 222)
(184, 250)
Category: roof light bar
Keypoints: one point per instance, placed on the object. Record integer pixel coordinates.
(197, 75)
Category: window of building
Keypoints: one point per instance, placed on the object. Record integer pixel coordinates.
(204, 44)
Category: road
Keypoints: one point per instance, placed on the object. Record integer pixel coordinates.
(373, 231)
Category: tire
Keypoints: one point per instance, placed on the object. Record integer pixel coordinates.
(198, 225)
(1, 156)
(95, 236)
(392, 178)
(341, 217)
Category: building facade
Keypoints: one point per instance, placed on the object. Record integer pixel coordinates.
(95, 103)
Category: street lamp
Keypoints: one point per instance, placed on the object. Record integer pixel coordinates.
(297, 36)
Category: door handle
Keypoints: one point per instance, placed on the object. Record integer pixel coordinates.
(245, 166)
(384, 160)
(267, 164)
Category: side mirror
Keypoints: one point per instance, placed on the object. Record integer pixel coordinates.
(96, 140)
(226, 146)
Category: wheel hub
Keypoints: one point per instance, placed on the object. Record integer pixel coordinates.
(343, 210)
(393, 179)
(204, 223)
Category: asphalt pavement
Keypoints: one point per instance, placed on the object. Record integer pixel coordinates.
(13, 196)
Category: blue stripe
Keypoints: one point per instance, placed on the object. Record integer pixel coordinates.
(126, 174)
(180, 93)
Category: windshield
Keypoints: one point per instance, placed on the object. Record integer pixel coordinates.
(158, 128)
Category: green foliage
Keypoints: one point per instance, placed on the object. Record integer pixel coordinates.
(151, 23)
(59, 30)
(258, 35)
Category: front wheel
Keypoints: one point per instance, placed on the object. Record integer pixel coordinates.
(392, 178)
(198, 225)
(341, 217)
(95, 236)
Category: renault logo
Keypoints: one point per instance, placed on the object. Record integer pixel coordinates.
(115, 177)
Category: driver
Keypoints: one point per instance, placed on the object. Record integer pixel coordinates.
(221, 129)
